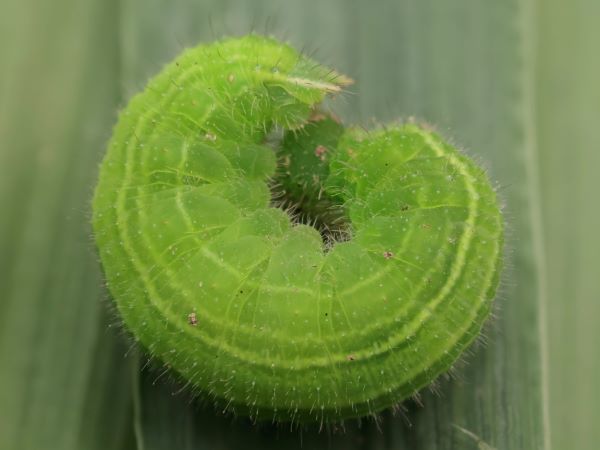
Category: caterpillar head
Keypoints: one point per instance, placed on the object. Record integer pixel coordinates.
(294, 82)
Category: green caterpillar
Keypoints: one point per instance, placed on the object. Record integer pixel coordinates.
(285, 266)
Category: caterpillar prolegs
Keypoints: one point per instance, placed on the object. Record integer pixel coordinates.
(284, 265)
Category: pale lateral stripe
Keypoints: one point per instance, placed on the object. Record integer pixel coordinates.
(367, 281)
(222, 264)
(178, 199)
(465, 241)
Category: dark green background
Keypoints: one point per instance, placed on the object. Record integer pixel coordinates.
(513, 82)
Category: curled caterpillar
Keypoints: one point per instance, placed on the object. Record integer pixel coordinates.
(284, 265)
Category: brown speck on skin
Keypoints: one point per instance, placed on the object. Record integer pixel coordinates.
(335, 118)
(192, 320)
(211, 137)
(388, 255)
(317, 116)
(350, 357)
(426, 226)
(404, 208)
(231, 77)
(320, 152)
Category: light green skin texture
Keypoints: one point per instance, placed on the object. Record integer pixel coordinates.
(287, 329)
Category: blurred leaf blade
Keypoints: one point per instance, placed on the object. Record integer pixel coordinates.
(57, 103)
(568, 113)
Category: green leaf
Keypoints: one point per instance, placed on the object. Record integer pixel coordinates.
(568, 113)
(64, 383)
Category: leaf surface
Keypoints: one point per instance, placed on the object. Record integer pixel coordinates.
(64, 383)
